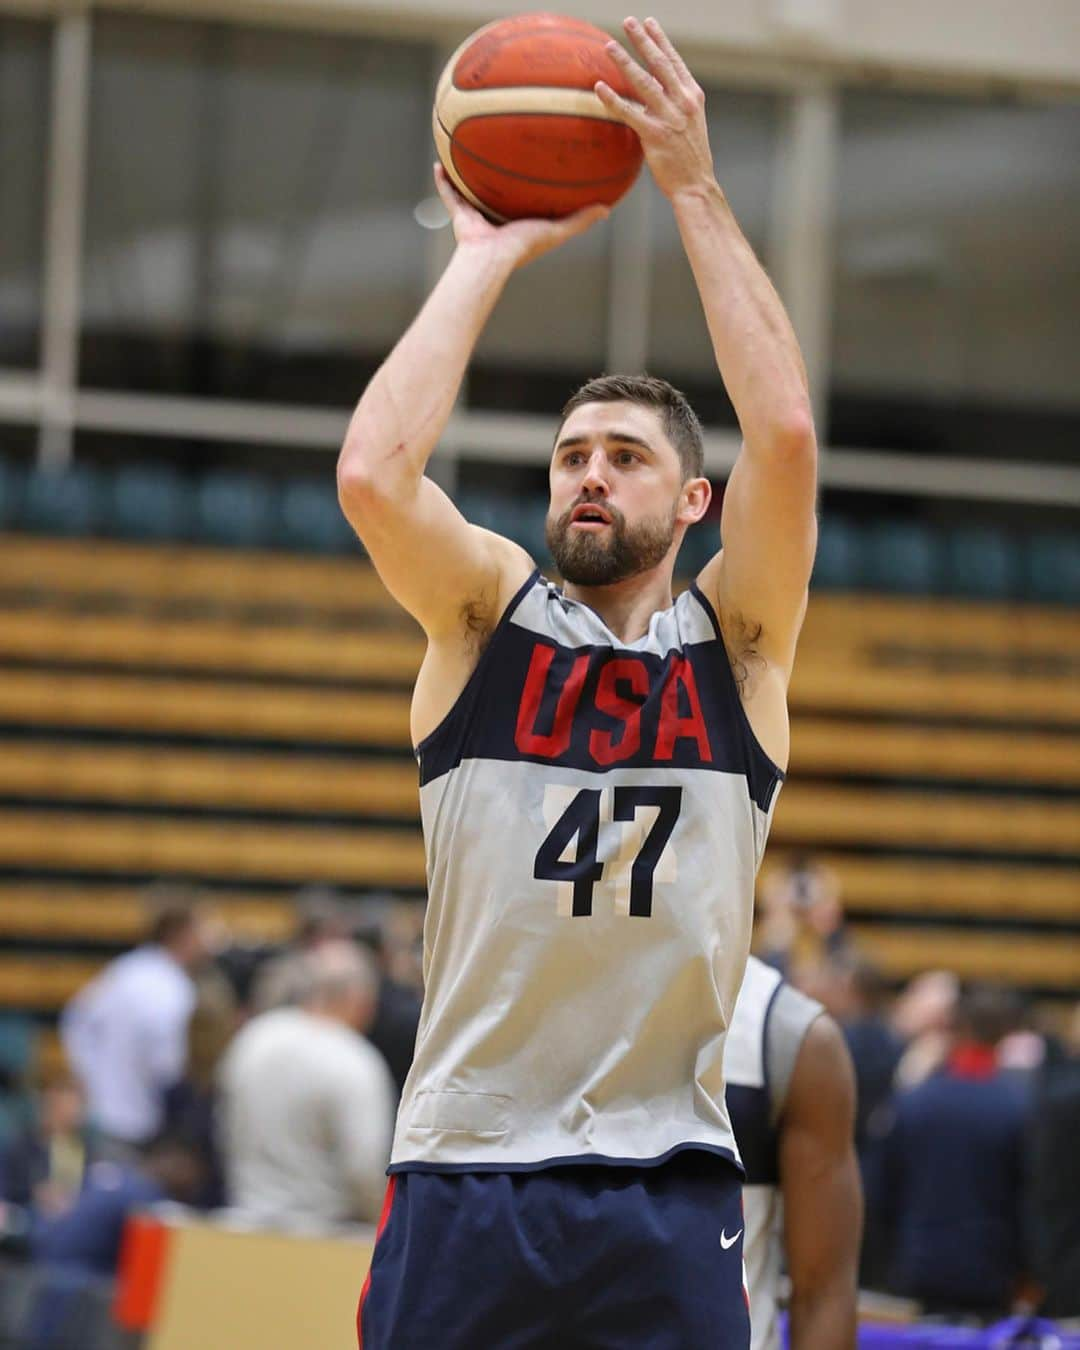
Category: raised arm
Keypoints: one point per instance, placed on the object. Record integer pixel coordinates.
(437, 565)
(768, 524)
(819, 1179)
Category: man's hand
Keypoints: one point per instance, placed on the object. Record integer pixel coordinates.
(518, 241)
(669, 116)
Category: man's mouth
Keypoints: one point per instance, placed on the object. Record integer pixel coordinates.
(589, 516)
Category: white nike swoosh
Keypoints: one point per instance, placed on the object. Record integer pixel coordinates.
(726, 1241)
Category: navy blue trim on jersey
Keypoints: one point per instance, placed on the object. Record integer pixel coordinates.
(774, 1107)
(765, 775)
(464, 705)
(751, 1120)
(570, 1160)
(533, 699)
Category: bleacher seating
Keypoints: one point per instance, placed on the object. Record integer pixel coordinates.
(241, 719)
(228, 508)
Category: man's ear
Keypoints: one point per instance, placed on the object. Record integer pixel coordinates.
(694, 500)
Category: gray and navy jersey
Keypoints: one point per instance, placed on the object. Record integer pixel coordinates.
(595, 812)
(766, 1034)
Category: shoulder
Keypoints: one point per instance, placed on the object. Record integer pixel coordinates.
(822, 1091)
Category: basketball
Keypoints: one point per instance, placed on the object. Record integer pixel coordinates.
(518, 127)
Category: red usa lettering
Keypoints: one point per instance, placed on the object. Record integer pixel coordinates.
(622, 693)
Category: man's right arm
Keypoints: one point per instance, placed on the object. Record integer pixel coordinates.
(432, 561)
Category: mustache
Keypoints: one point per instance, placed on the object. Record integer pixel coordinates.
(592, 499)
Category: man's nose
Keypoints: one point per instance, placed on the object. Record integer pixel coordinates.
(595, 479)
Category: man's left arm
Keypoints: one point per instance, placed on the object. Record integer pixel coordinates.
(768, 524)
(819, 1180)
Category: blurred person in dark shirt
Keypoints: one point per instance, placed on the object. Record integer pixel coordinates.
(855, 993)
(43, 1166)
(950, 1184)
(192, 1103)
(86, 1237)
(397, 1006)
(1054, 1175)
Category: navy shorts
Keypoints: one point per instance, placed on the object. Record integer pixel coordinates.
(581, 1257)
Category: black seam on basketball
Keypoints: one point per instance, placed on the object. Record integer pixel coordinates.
(528, 178)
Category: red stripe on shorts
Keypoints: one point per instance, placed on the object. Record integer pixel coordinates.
(388, 1200)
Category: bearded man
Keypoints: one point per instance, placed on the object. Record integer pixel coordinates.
(599, 766)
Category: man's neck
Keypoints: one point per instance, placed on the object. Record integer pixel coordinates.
(627, 606)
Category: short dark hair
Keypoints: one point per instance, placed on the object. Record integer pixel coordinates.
(172, 909)
(680, 422)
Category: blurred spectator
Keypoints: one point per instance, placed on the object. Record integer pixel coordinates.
(856, 994)
(800, 918)
(952, 1172)
(191, 1105)
(1054, 1176)
(280, 981)
(125, 1032)
(308, 1102)
(922, 1017)
(397, 1006)
(43, 1167)
(86, 1237)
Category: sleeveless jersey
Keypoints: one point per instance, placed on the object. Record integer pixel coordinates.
(594, 814)
(771, 1019)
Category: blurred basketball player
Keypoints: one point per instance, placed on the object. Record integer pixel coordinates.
(598, 770)
(791, 1096)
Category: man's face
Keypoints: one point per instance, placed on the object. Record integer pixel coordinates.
(616, 487)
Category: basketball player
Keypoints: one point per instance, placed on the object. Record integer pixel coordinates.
(791, 1095)
(598, 769)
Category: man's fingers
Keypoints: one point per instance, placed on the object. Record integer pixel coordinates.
(633, 114)
(653, 56)
(648, 87)
(652, 27)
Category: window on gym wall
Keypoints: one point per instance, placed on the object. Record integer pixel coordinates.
(24, 110)
(957, 277)
(250, 229)
(743, 135)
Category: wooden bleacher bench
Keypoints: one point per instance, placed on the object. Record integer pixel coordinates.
(227, 780)
(107, 844)
(163, 574)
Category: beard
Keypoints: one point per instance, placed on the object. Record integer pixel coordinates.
(585, 558)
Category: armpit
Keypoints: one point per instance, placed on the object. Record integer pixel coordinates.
(742, 637)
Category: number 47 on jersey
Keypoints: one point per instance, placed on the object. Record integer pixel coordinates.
(618, 835)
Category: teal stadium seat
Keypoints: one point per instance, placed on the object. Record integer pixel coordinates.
(840, 561)
(903, 558)
(311, 519)
(1052, 569)
(700, 544)
(150, 501)
(981, 563)
(12, 484)
(236, 509)
(67, 501)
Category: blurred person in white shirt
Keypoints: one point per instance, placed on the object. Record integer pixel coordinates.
(125, 1033)
(308, 1102)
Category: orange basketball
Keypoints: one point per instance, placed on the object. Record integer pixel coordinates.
(518, 127)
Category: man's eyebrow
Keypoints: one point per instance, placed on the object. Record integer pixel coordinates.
(619, 437)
